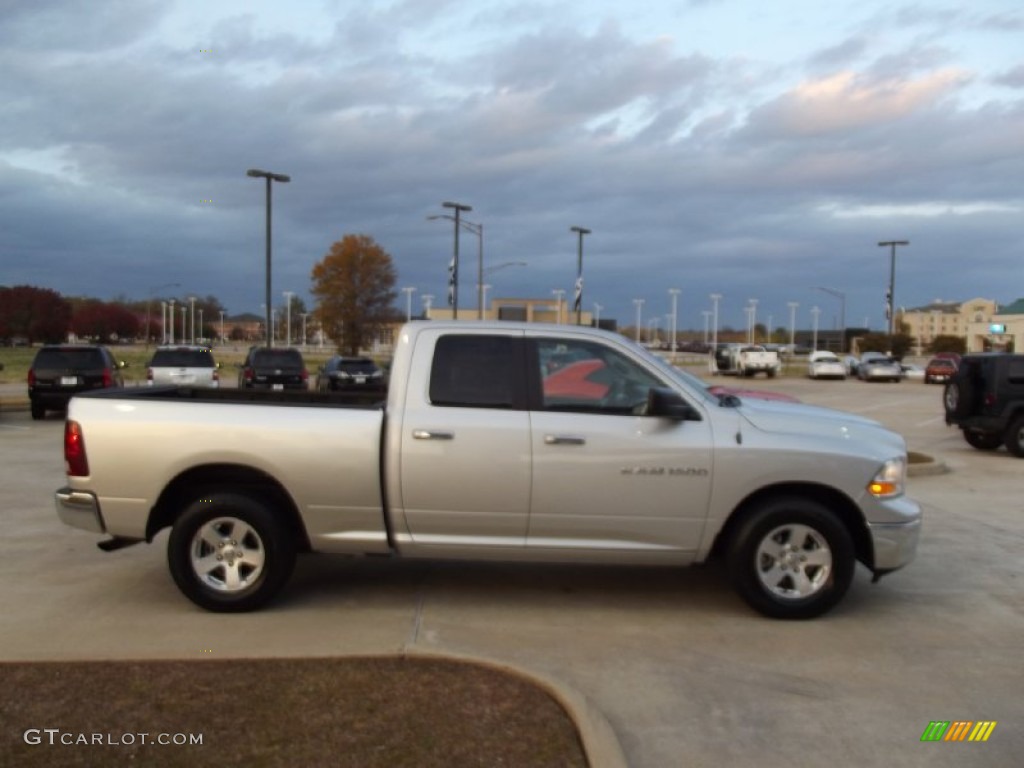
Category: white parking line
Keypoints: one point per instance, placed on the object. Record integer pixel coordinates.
(936, 420)
(12, 426)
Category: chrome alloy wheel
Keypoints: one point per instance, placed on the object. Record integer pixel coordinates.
(794, 561)
(227, 554)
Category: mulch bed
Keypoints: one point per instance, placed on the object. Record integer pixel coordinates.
(364, 712)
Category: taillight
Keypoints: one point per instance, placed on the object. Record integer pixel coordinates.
(990, 399)
(247, 374)
(216, 375)
(305, 375)
(31, 377)
(149, 374)
(75, 462)
(108, 378)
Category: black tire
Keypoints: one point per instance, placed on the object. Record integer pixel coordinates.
(958, 397)
(781, 538)
(38, 412)
(1015, 437)
(983, 441)
(256, 559)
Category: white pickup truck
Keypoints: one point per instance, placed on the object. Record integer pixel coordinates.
(497, 441)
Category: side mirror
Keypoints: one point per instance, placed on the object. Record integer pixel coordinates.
(666, 403)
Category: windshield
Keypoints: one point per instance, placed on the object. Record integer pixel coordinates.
(688, 379)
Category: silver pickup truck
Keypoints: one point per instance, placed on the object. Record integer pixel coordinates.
(496, 441)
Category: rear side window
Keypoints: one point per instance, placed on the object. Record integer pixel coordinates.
(183, 358)
(1015, 372)
(65, 358)
(476, 372)
(277, 358)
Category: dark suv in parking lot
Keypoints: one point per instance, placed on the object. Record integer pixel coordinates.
(985, 399)
(341, 374)
(60, 372)
(273, 368)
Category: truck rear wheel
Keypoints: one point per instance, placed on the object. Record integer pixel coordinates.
(1015, 437)
(229, 553)
(791, 558)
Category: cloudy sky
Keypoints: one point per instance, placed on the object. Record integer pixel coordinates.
(756, 150)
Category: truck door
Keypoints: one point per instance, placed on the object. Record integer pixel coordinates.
(465, 443)
(604, 477)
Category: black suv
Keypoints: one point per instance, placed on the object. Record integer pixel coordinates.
(60, 372)
(985, 398)
(273, 368)
(340, 374)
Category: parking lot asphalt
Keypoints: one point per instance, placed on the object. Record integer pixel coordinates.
(684, 672)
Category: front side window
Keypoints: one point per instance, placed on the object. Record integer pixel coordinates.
(476, 371)
(587, 377)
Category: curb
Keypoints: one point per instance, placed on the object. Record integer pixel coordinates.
(922, 465)
(600, 744)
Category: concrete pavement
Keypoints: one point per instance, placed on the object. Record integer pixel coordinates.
(684, 673)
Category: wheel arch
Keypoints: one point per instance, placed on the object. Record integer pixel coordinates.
(210, 478)
(836, 501)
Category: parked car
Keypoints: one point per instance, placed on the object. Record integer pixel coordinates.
(183, 366)
(825, 365)
(874, 366)
(273, 368)
(939, 369)
(350, 373)
(985, 399)
(912, 372)
(59, 372)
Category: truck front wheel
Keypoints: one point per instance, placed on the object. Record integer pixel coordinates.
(790, 558)
(228, 553)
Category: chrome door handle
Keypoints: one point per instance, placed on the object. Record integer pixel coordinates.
(426, 434)
(563, 440)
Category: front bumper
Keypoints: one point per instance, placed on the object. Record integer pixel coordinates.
(79, 509)
(894, 544)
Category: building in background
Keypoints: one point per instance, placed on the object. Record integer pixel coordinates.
(962, 319)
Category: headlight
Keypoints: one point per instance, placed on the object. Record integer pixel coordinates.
(890, 479)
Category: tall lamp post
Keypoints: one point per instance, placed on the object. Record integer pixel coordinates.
(890, 308)
(558, 293)
(288, 316)
(152, 292)
(453, 272)
(814, 313)
(715, 298)
(408, 291)
(753, 320)
(478, 230)
(192, 318)
(171, 318)
(580, 231)
(597, 314)
(792, 324)
(842, 314)
(270, 177)
(639, 303)
(674, 293)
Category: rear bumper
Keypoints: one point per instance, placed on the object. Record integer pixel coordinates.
(79, 509)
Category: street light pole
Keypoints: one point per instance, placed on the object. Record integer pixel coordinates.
(890, 310)
(558, 294)
(814, 313)
(171, 318)
(408, 291)
(580, 231)
(674, 293)
(256, 173)
(192, 318)
(453, 271)
(639, 303)
(597, 314)
(842, 314)
(288, 317)
(714, 337)
(753, 321)
(792, 324)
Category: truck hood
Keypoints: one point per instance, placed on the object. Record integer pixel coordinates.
(802, 419)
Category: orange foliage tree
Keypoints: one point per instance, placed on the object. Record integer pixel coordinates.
(354, 285)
